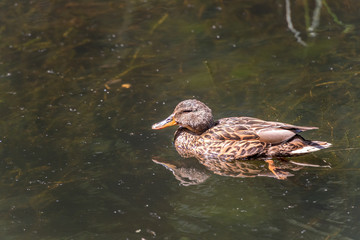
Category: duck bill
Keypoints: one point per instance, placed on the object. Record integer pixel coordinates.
(169, 121)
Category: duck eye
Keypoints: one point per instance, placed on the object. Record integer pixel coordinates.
(186, 111)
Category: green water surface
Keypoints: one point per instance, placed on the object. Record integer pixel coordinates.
(81, 83)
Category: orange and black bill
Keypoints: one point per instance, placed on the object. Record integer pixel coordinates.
(169, 121)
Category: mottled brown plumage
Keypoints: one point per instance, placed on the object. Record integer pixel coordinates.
(187, 172)
(234, 138)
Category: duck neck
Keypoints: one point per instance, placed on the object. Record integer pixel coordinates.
(200, 128)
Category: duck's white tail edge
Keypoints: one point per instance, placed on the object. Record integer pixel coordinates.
(312, 147)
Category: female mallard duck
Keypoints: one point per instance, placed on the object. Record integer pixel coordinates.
(228, 139)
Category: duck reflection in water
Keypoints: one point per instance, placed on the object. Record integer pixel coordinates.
(189, 172)
(225, 146)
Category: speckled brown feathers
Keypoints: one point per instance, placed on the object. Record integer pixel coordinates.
(234, 138)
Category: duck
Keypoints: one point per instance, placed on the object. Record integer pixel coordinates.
(234, 138)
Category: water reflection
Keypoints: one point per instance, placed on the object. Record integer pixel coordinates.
(82, 81)
(191, 172)
(315, 20)
(191, 175)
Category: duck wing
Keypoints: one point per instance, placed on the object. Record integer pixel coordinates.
(247, 128)
(231, 141)
(258, 123)
(228, 150)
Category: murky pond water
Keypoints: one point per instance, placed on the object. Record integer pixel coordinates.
(81, 83)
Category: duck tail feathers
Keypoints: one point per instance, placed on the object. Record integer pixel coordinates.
(312, 146)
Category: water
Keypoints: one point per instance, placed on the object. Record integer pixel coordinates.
(82, 83)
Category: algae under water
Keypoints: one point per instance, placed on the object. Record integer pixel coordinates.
(82, 82)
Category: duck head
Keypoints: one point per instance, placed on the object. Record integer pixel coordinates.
(191, 114)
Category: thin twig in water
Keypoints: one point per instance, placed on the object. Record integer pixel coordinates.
(158, 23)
(309, 165)
(209, 70)
(348, 27)
(315, 18)
(343, 149)
(291, 26)
(310, 228)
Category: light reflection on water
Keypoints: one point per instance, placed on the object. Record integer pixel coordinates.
(82, 83)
